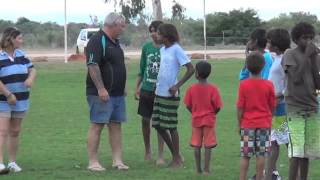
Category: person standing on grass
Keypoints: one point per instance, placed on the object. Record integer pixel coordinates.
(301, 66)
(166, 103)
(204, 102)
(105, 90)
(145, 87)
(256, 102)
(17, 75)
(279, 42)
(258, 42)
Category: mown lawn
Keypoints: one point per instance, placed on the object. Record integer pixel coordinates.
(53, 141)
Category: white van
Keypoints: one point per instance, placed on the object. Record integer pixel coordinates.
(83, 38)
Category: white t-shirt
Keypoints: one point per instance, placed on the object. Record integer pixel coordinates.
(172, 58)
(277, 75)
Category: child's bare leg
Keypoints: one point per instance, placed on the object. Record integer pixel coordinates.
(304, 167)
(166, 137)
(146, 137)
(293, 168)
(259, 167)
(207, 158)
(160, 160)
(176, 159)
(197, 157)
(272, 160)
(244, 164)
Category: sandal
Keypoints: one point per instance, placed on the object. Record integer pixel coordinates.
(96, 168)
(120, 167)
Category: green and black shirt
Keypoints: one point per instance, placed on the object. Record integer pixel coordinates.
(109, 56)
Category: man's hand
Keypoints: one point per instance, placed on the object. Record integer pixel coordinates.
(103, 94)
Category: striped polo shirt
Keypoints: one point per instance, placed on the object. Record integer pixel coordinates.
(13, 73)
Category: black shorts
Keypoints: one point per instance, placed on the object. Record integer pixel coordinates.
(146, 103)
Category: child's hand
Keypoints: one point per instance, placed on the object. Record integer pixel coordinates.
(137, 94)
(311, 50)
(173, 90)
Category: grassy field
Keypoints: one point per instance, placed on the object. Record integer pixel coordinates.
(53, 142)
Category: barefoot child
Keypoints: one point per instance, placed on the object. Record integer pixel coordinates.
(166, 103)
(145, 87)
(204, 102)
(301, 66)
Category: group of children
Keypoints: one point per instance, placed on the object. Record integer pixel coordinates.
(277, 101)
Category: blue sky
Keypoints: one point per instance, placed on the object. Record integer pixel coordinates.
(80, 10)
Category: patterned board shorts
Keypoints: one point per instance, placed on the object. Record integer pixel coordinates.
(255, 141)
(279, 132)
(304, 134)
(164, 113)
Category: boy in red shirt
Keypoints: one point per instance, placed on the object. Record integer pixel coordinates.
(256, 102)
(204, 102)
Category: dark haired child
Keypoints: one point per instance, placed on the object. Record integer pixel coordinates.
(145, 87)
(166, 103)
(278, 42)
(302, 75)
(204, 102)
(256, 102)
(257, 42)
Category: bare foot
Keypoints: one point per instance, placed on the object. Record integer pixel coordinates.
(160, 161)
(147, 157)
(176, 164)
(206, 173)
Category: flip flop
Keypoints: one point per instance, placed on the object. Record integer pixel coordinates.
(120, 167)
(96, 168)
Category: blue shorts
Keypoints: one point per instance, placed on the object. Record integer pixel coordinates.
(114, 110)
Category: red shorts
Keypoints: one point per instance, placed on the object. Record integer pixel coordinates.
(203, 136)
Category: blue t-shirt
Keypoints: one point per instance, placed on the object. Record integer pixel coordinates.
(172, 58)
(244, 73)
(13, 73)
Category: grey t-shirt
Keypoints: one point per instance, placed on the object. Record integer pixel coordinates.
(300, 93)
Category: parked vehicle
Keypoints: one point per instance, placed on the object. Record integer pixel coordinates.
(83, 39)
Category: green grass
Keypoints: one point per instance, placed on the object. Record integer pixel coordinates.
(53, 140)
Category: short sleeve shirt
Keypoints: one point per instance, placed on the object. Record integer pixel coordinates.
(300, 93)
(109, 56)
(204, 100)
(172, 58)
(13, 73)
(257, 99)
(149, 66)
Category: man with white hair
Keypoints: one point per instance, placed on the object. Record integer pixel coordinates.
(105, 90)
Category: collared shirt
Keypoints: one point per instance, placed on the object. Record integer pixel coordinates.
(13, 73)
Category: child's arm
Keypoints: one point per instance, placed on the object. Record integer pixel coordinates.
(312, 51)
(190, 70)
(189, 109)
(217, 110)
(239, 116)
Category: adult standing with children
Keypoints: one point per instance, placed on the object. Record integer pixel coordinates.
(17, 75)
(105, 90)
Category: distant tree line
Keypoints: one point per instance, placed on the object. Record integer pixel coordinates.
(231, 27)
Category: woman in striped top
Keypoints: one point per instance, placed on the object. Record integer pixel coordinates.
(16, 78)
